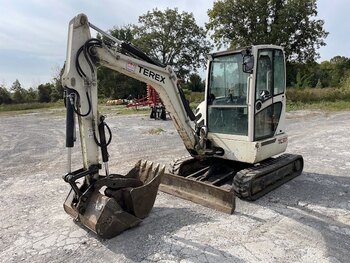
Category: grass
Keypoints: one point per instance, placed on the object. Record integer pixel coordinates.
(328, 99)
(155, 131)
(340, 105)
(30, 106)
(311, 95)
(25, 108)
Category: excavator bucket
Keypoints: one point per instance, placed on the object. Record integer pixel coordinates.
(125, 202)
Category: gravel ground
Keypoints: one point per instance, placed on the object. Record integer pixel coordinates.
(305, 220)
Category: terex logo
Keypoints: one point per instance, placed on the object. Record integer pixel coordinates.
(151, 74)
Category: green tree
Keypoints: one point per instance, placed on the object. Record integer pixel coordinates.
(302, 81)
(57, 88)
(174, 39)
(169, 36)
(18, 93)
(326, 73)
(44, 92)
(289, 23)
(340, 66)
(124, 33)
(195, 83)
(319, 84)
(5, 95)
(32, 95)
(116, 85)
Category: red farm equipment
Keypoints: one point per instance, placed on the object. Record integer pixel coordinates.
(153, 101)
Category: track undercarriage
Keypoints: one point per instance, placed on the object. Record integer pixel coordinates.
(215, 182)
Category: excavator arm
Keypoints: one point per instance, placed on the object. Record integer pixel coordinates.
(126, 198)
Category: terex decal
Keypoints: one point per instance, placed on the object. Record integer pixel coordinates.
(130, 66)
(151, 74)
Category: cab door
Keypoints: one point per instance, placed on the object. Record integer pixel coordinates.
(227, 111)
(269, 94)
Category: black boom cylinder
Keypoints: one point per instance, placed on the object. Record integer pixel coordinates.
(103, 142)
(69, 119)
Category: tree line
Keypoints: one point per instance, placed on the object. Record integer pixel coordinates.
(48, 92)
(327, 74)
(175, 39)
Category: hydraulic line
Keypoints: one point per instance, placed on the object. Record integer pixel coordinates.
(103, 144)
(86, 50)
(74, 99)
(87, 53)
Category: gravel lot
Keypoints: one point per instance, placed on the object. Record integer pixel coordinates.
(305, 220)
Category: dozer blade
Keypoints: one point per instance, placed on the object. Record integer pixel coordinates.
(199, 192)
(125, 202)
(215, 182)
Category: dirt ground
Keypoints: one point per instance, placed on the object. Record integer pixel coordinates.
(305, 220)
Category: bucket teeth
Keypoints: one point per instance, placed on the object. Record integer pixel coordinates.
(149, 171)
(146, 170)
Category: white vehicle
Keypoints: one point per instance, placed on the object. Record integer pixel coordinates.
(231, 138)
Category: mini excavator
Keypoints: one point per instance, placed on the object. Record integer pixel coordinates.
(236, 138)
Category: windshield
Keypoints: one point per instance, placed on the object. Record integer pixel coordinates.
(227, 97)
(228, 82)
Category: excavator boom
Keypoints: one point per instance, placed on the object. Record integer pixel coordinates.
(111, 203)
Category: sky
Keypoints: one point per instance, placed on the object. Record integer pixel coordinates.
(33, 33)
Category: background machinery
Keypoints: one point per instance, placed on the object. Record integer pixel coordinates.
(153, 101)
(231, 138)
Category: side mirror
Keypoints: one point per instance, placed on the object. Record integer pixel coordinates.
(248, 63)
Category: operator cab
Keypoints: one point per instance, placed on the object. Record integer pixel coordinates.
(246, 96)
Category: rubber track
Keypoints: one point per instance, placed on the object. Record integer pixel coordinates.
(256, 181)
